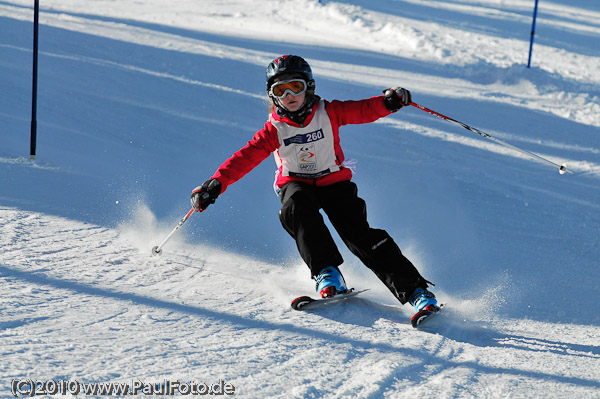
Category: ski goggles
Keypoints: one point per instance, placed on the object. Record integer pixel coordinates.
(294, 87)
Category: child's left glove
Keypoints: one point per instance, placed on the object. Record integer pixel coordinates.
(396, 98)
(206, 194)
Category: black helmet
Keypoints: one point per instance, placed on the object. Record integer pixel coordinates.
(290, 65)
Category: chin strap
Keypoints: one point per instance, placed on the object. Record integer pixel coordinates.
(296, 116)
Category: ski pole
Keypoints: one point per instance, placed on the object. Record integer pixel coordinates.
(157, 250)
(562, 169)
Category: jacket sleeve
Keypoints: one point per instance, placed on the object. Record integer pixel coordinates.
(356, 112)
(248, 157)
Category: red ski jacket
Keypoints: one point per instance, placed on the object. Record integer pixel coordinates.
(267, 141)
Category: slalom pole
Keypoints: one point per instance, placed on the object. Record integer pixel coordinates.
(535, 9)
(33, 139)
(562, 169)
(157, 250)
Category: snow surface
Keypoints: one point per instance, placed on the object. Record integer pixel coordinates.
(139, 102)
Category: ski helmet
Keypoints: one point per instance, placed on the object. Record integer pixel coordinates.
(290, 65)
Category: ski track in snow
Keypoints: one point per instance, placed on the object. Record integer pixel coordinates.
(193, 314)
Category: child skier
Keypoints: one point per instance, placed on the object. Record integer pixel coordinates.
(303, 133)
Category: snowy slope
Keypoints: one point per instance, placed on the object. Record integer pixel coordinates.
(140, 101)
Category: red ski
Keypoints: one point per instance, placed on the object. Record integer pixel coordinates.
(307, 303)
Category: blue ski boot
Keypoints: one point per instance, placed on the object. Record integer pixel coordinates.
(422, 299)
(330, 282)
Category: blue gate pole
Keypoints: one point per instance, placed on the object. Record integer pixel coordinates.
(35, 73)
(532, 33)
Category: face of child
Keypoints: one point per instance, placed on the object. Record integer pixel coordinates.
(291, 102)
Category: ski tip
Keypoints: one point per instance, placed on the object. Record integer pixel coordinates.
(301, 301)
(420, 317)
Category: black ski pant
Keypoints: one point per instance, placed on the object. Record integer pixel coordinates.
(301, 217)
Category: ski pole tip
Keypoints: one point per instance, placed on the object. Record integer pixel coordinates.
(156, 251)
(563, 169)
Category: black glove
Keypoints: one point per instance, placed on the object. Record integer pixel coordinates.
(206, 194)
(396, 98)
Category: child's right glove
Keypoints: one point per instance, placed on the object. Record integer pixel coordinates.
(206, 194)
